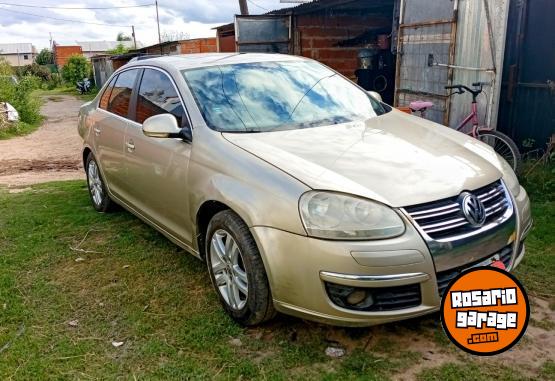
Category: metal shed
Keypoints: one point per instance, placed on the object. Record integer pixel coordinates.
(464, 41)
(102, 69)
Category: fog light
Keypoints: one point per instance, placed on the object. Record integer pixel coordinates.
(356, 297)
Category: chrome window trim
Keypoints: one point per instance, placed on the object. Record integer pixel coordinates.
(176, 88)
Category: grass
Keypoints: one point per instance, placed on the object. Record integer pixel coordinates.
(19, 129)
(116, 279)
(68, 90)
(471, 372)
(538, 267)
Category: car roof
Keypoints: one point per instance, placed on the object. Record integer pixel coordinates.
(190, 61)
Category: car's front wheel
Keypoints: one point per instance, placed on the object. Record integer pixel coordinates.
(237, 271)
(97, 189)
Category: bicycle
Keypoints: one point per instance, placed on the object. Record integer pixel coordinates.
(501, 143)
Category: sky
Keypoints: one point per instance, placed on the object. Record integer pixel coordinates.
(196, 18)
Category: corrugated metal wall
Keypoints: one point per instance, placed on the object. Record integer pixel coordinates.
(474, 49)
(102, 70)
(426, 28)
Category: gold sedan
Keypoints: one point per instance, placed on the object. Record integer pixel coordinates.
(303, 193)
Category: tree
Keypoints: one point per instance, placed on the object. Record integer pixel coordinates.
(45, 57)
(5, 68)
(119, 49)
(174, 35)
(34, 69)
(123, 37)
(76, 68)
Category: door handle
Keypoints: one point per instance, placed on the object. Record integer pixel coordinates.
(96, 131)
(130, 146)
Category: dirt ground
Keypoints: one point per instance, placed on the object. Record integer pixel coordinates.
(49, 154)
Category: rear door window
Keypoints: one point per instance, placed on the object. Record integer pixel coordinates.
(121, 93)
(106, 95)
(157, 95)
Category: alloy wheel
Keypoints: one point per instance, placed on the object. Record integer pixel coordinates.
(228, 269)
(95, 184)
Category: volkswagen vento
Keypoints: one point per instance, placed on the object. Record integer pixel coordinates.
(303, 193)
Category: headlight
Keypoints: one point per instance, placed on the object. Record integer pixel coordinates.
(338, 216)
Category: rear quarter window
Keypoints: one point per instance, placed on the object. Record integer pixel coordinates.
(103, 104)
(121, 93)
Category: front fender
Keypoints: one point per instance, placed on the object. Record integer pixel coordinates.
(261, 194)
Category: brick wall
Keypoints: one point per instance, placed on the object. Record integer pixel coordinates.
(199, 45)
(320, 34)
(170, 48)
(62, 53)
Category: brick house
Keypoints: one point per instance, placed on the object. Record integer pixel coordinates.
(330, 31)
(63, 52)
(195, 45)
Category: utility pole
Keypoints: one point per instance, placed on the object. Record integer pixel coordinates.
(158, 22)
(133, 34)
(243, 7)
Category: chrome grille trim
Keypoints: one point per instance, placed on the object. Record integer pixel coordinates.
(490, 195)
(447, 227)
(452, 205)
(447, 211)
(443, 220)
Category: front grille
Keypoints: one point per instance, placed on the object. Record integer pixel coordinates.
(377, 298)
(445, 277)
(444, 219)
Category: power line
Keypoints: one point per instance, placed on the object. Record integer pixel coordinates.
(94, 8)
(256, 5)
(60, 19)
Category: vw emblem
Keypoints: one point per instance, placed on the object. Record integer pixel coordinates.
(473, 209)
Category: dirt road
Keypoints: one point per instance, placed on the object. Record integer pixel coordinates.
(49, 154)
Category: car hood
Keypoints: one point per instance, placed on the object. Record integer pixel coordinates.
(396, 158)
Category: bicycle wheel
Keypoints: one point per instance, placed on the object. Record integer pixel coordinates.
(503, 145)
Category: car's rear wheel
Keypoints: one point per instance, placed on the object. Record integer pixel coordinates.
(97, 188)
(237, 271)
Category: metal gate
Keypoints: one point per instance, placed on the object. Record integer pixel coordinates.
(527, 111)
(263, 34)
(426, 27)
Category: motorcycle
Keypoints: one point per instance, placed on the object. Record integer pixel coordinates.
(84, 86)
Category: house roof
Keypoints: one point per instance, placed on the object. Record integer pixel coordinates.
(16, 48)
(103, 46)
(166, 43)
(314, 6)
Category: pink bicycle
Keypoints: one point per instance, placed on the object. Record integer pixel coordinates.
(500, 142)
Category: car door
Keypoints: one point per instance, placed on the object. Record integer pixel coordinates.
(157, 168)
(109, 129)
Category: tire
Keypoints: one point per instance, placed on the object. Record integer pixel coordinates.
(97, 188)
(504, 146)
(234, 271)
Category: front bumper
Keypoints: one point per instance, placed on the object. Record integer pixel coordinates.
(299, 267)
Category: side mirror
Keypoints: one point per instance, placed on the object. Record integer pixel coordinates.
(165, 126)
(376, 96)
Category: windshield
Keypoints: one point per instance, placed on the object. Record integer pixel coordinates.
(267, 96)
